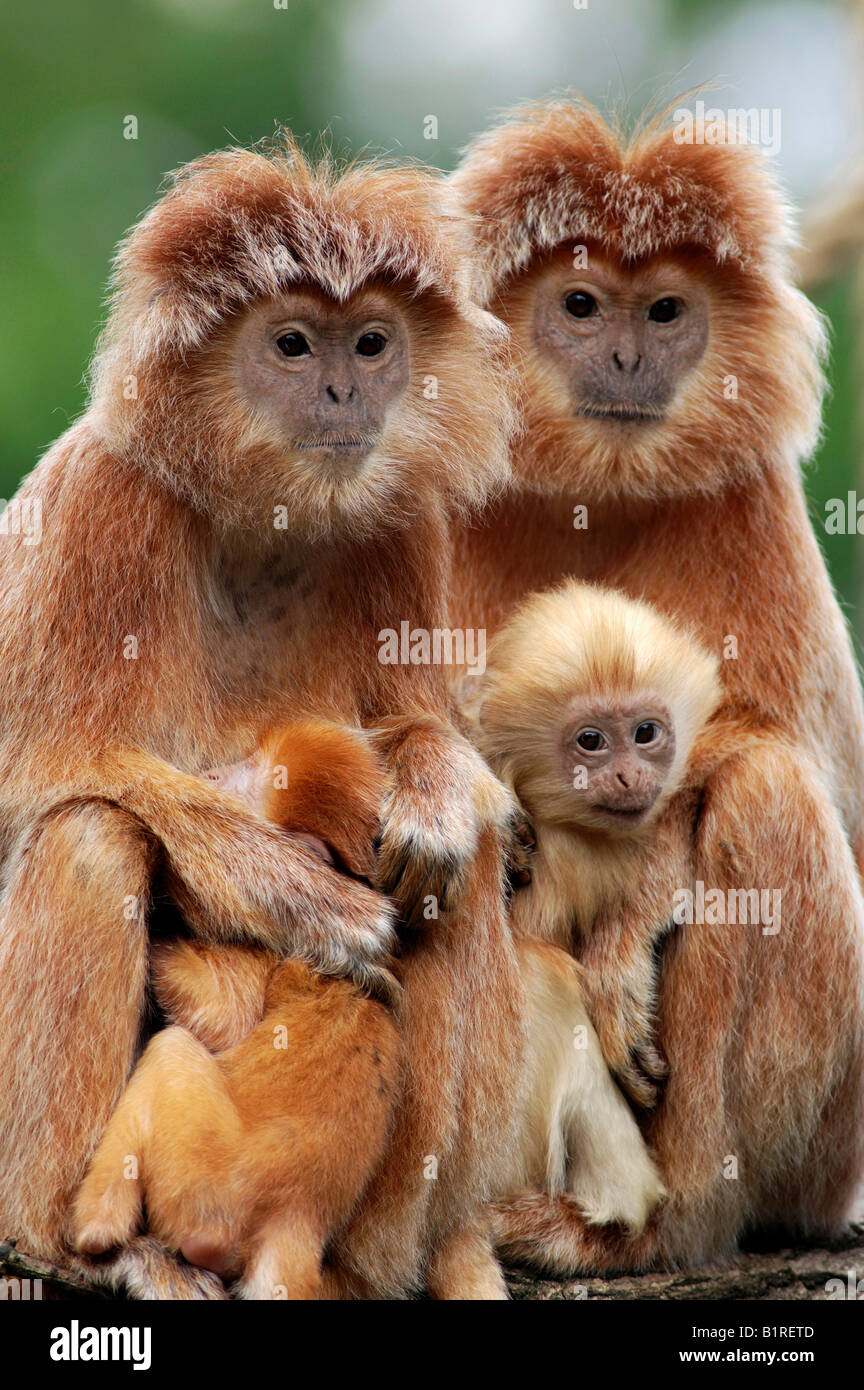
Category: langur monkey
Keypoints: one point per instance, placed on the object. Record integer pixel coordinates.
(261, 485)
(671, 382)
(274, 1087)
(589, 711)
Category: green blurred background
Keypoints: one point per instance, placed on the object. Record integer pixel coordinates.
(197, 74)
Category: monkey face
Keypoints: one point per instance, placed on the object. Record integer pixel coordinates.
(329, 412)
(322, 376)
(620, 342)
(624, 371)
(617, 756)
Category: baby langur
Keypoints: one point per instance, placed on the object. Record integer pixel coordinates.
(589, 710)
(284, 1080)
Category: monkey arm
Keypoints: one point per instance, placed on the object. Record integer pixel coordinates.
(235, 877)
(621, 993)
(620, 963)
(440, 797)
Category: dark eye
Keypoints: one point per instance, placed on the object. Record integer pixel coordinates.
(591, 740)
(664, 311)
(648, 732)
(580, 304)
(371, 344)
(292, 345)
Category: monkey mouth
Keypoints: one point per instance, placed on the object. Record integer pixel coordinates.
(338, 443)
(625, 813)
(621, 414)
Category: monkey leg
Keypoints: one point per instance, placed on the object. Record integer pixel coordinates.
(577, 1132)
(462, 1026)
(246, 1161)
(763, 1026)
(216, 992)
(609, 1169)
(790, 991)
(73, 956)
(177, 1115)
(286, 1260)
(73, 959)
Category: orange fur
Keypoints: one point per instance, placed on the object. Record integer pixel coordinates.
(702, 514)
(159, 510)
(252, 1159)
(461, 1063)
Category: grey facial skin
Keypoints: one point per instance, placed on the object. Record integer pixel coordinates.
(622, 342)
(323, 375)
(618, 757)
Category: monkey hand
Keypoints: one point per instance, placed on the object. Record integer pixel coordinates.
(282, 894)
(643, 1076)
(440, 797)
(620, 999)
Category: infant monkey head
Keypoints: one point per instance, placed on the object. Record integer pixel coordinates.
(321, 782)
(590, 707)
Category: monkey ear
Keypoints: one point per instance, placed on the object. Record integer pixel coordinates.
(470, 694)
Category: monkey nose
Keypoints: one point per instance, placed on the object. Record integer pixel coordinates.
(627, 359)
(340, 394)
(623, 780)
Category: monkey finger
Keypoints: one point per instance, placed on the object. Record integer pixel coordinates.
(641, 1089)
(437, 880)
(391, 874)
(519, 847)
(377, 982)
(649, 1060)
(451, 886)
(402, 878)
(523, 841)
